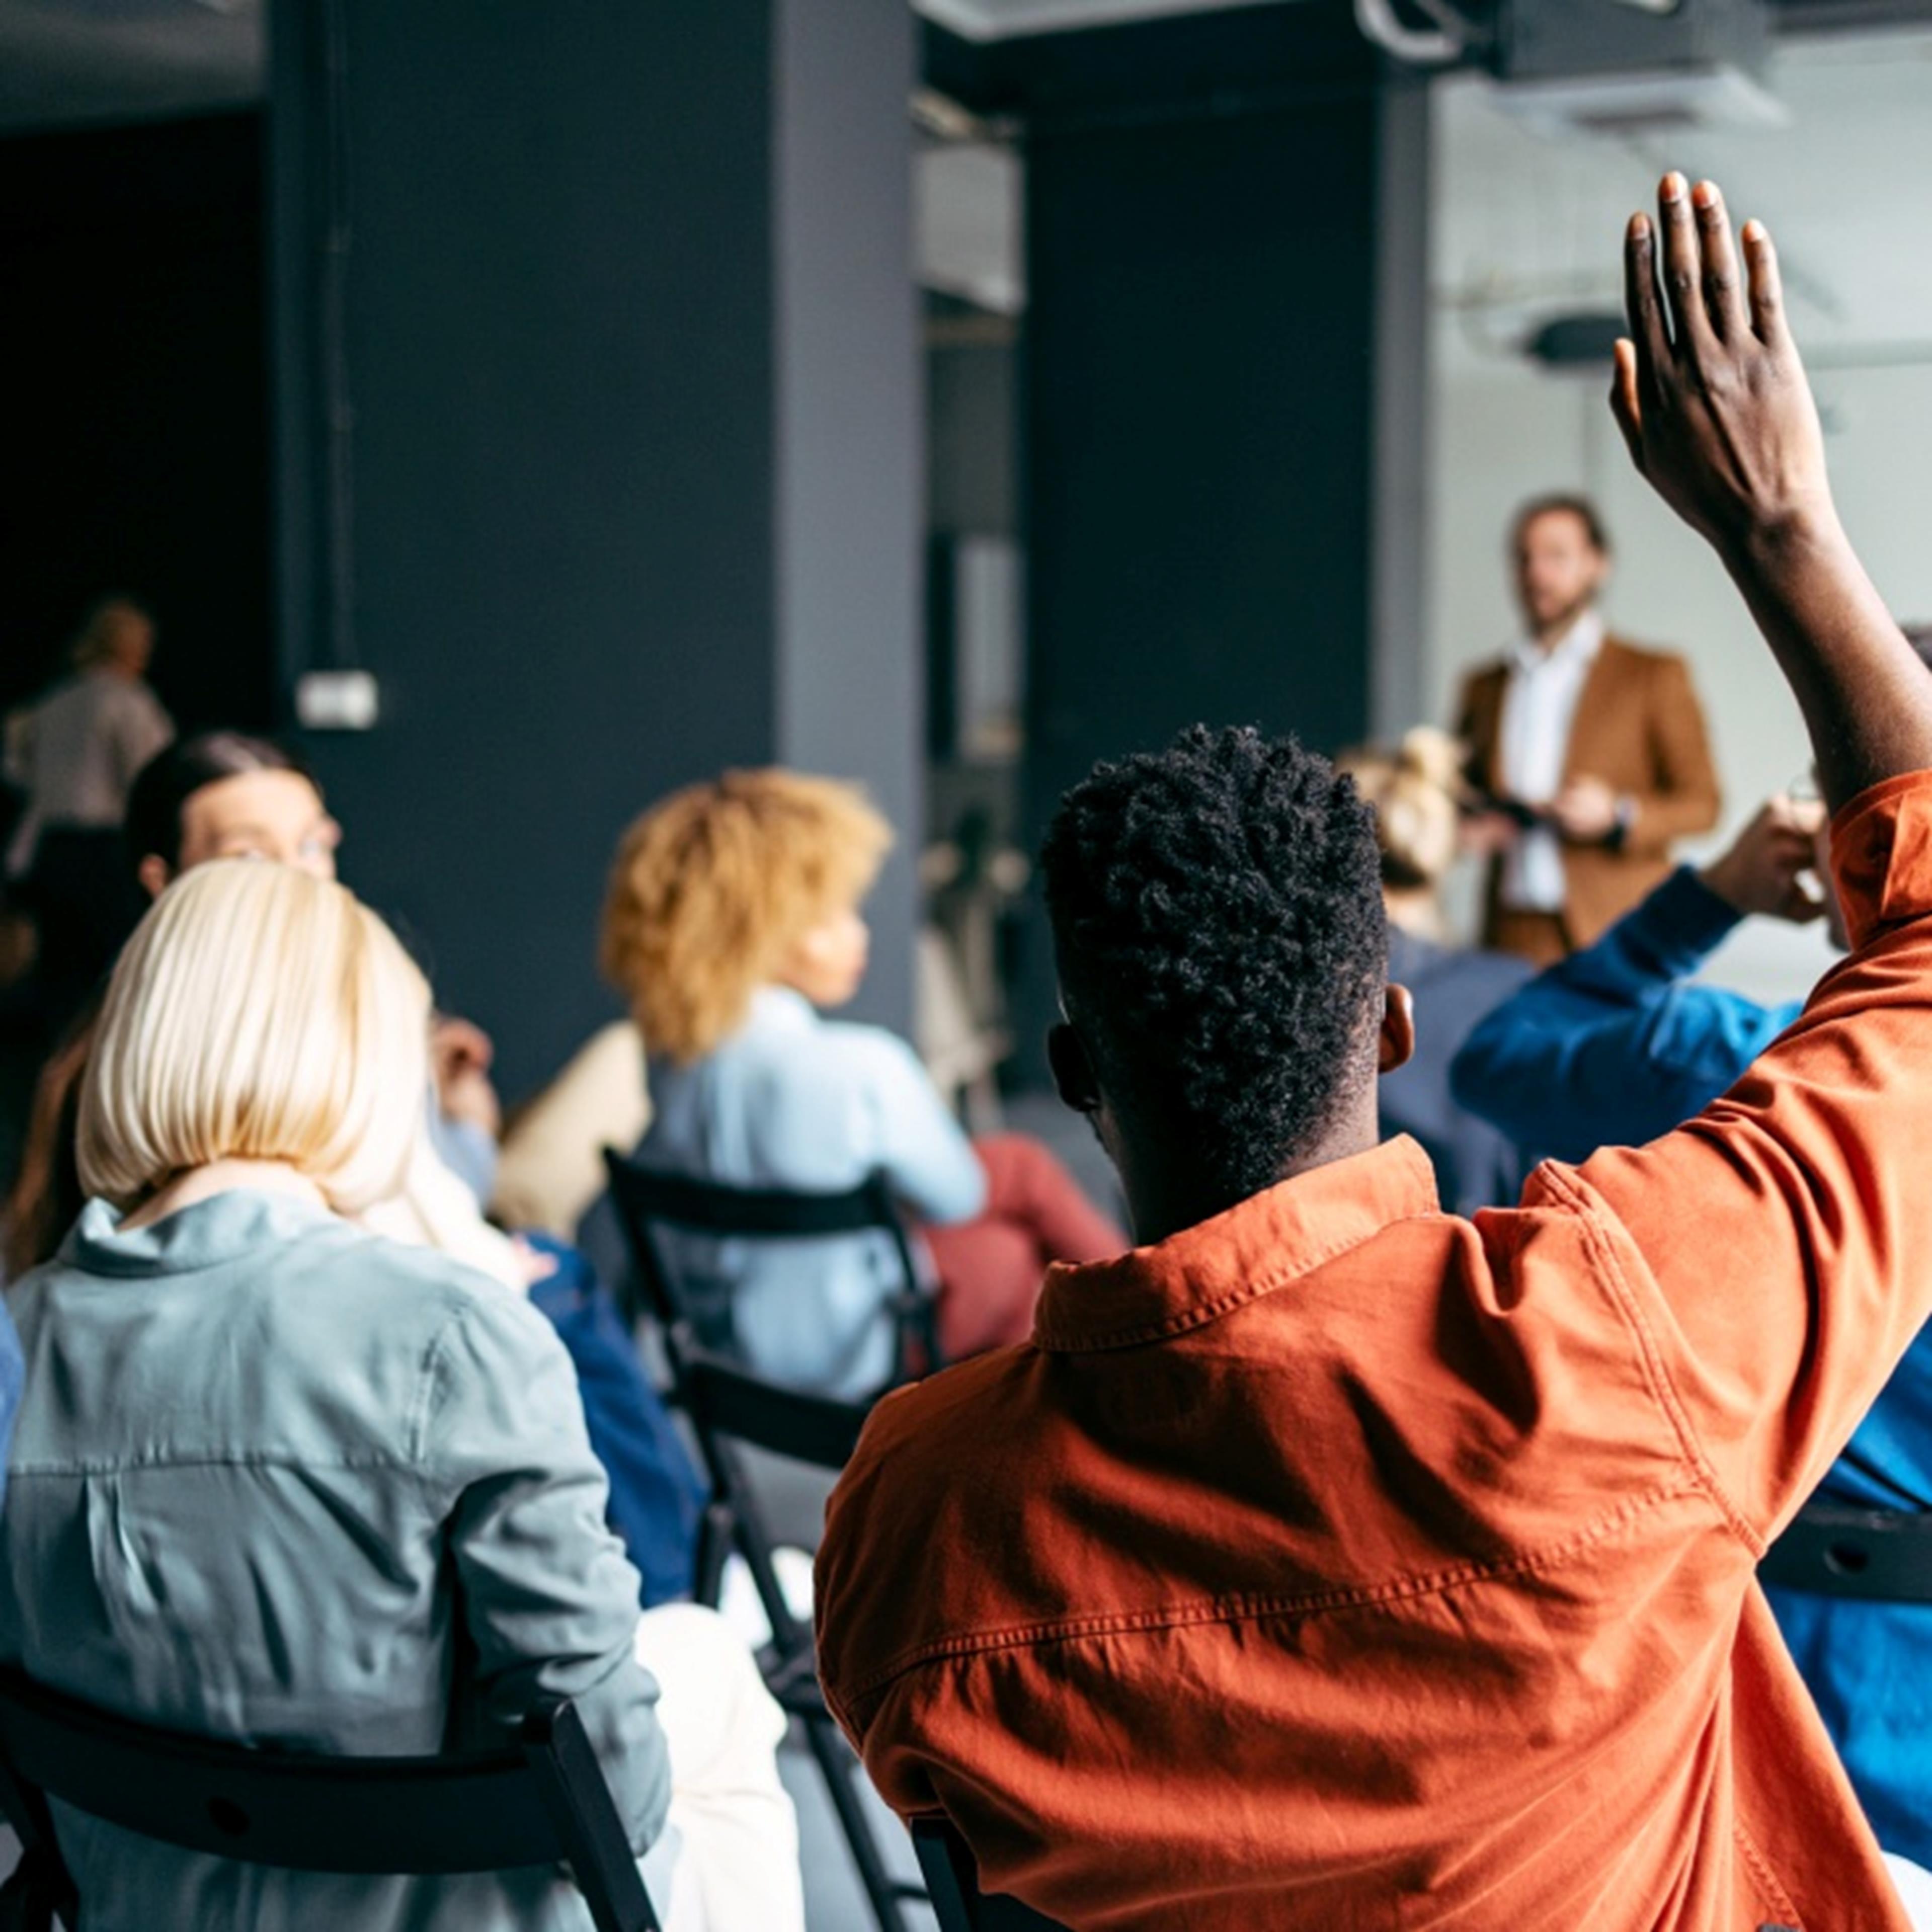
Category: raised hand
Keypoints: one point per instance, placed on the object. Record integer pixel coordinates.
(1586, 810)
(1712, 401)
(1766, 868)
(1708, 391)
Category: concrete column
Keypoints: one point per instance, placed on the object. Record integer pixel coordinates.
(1223, 422)
(599, 430)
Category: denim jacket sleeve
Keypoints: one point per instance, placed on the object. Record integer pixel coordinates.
(1610, 1047)
(549, 1602)
(922, 1149)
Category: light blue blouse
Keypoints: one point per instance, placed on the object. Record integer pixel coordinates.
(279, 1480)
(792, 1100)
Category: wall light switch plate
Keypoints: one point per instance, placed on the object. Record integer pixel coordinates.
(337, 701)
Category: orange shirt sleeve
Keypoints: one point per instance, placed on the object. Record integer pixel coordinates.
(1774, 1254)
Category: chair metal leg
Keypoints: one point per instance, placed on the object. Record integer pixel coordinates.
(715, 1537)
(836, 1764)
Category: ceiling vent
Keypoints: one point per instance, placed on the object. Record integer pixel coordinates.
(1620, 68)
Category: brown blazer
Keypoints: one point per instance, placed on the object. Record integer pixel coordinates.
(1640, 728)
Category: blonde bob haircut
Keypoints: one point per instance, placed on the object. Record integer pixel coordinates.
(713, 888)
(1417, 790)
(257, 1014)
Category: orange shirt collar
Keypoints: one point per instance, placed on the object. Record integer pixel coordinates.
(1205, 1271)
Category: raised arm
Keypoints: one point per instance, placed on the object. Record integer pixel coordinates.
(1774, 1249)
(1612, 1044)
(1713, 402)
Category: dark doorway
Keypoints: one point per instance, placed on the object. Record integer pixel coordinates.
(134, 439)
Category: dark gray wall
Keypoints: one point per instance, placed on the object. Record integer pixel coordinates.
(1202, 422)
(586, 565)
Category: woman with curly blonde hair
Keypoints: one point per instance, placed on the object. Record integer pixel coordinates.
(1417, 790)
(732, 921)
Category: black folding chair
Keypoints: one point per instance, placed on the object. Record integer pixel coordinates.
(545, 1804)
(952, 1878)
(1832, 1550)
(730, 1408)
(646, 1201)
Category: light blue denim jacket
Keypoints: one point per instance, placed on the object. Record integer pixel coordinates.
(792, 1100)
(280, 1480)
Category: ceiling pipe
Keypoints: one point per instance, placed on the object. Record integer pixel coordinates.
(1432, 47)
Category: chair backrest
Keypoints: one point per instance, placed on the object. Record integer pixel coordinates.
(728, 1408)
(952, 1880)
(1880, 1555)
(646, 1201)
(724, 1400)
(545, 1804)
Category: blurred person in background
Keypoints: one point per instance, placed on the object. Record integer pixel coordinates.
(73, 755)
(251, 1086)
(225, 795)
(1416, 790)
(1592, 750)
(732, 923)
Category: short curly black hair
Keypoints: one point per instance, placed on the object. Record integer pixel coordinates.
(1217, 918)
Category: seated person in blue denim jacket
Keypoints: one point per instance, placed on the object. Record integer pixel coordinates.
(278, 1479)
(733, 926)
(1615, 1046)
(225, 795)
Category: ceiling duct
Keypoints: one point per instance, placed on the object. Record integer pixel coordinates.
(1633, 68)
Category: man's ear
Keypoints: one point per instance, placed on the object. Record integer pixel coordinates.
(1072, 1071)
(154, 874)
(1397, 1045)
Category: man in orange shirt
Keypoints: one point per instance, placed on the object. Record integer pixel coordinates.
(1329, 1561)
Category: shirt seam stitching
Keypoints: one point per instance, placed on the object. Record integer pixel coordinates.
(1242, 1607)
(1761, 1870)
(211, 1459)
(1197, 1315)
(1650, 1352)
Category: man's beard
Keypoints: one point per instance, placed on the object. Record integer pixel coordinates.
(1565, 619)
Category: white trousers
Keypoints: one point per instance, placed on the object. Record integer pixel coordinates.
(736, 1866)
(1914, 1889)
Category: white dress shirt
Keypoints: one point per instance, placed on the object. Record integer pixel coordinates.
(76, 751)
(1539, 708)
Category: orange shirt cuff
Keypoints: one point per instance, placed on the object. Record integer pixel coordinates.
(1882, 856)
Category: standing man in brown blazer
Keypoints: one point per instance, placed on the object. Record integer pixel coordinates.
(1593, 751)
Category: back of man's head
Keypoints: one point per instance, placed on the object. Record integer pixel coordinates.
(1217, 918)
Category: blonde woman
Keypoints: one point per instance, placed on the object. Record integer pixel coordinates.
(1416, 790)
(276, 1478)
(733, 923)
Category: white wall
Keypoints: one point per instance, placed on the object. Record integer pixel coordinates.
(1502, 431)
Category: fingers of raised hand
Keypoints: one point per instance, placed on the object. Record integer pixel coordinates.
(1721, 292)
(1643, 300)
(1766, 293)
(1800, 904)
(1683, 262)
(1625, 405)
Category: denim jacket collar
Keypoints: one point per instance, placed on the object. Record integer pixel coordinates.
(201, 1235)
